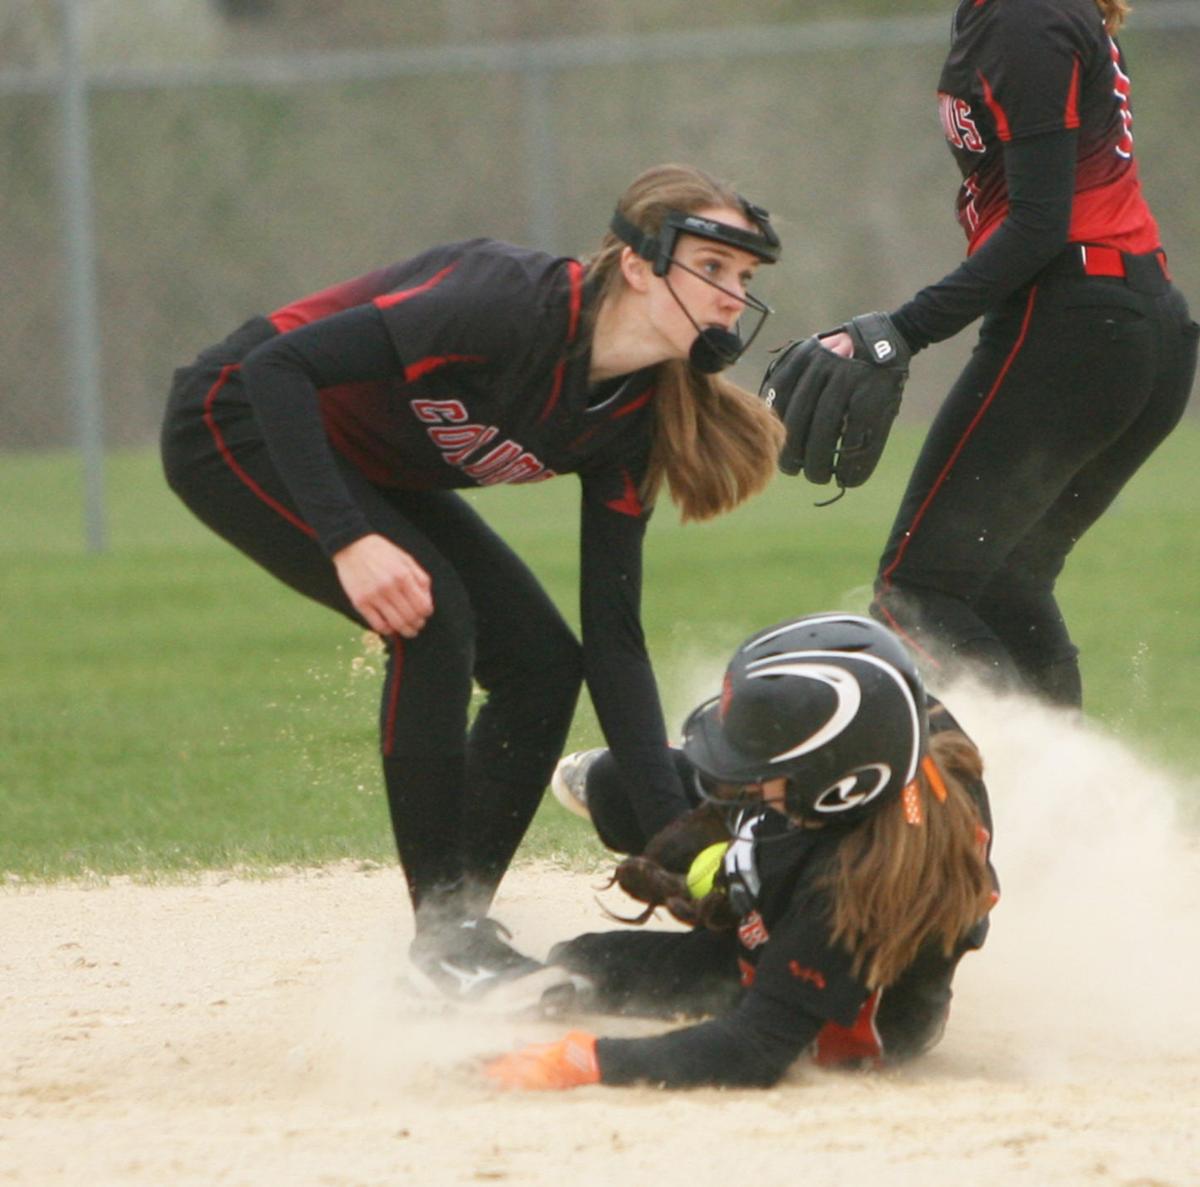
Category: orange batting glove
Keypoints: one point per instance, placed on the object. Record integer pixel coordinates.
(566, 1064)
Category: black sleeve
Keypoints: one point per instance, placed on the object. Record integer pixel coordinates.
(802, 980)
(751, 1047)
(617, 667)
(1040, 175)
(281, 378)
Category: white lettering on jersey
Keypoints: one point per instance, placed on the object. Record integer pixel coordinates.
(957, 123)
(1121, 89)
(457, 440)
(970, 209)
(434, 412)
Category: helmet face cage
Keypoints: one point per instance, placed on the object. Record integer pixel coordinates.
(832, 703)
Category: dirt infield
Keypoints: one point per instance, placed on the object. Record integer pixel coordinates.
(255, 1032)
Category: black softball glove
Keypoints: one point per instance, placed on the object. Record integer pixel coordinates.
(838, 412)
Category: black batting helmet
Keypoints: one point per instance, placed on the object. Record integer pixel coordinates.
(831, 702)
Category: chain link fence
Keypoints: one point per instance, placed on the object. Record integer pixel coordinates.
(238, 153)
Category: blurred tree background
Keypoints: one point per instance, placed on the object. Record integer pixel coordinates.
(244, 152)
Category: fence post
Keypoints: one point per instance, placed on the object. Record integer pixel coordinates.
(541, 153)
(77, 211)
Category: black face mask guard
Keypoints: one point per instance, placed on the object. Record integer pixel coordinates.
(714, 348)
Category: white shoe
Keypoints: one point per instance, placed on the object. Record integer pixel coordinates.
(569, 781)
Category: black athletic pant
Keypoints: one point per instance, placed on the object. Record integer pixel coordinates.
(611, 808)
(460, 801)
(1074, 382)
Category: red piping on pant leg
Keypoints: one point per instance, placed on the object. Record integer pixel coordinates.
(389, 718)
(912, 643)
(231, 461)
(886, 576)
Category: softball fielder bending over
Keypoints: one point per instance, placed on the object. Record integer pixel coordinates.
(325, 439)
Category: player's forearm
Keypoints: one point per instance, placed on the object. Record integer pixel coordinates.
(282, 378)
(718, 1052)
(1040, 173)
(617, 667)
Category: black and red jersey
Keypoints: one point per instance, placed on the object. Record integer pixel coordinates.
(491, 377)
(1021, 68)
(464, 366)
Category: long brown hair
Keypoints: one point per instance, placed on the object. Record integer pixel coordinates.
(715, 444)
(1114, 13)
(897, 884)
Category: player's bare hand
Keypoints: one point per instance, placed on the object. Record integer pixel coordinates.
(840, 344)
(386, 585)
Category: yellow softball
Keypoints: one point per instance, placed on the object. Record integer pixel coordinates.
(704, 869)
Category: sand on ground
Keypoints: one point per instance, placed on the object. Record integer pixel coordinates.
(236, 1031)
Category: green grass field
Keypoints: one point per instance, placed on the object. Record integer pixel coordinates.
(166, 707)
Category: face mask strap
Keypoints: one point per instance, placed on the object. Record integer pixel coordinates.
(749, 300)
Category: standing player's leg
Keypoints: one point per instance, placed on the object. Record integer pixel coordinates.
(528, 663)
(966, 506)
(994, 505)
(1024, 612)
(236, 491)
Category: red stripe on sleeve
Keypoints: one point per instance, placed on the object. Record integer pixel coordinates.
(998, 114)
(575, 278)
(1071, 110)
(434, 362)
(575, 273)
(390, 299)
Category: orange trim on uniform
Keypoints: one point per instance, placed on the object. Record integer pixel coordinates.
(910, 797)
(935, 778)
(837, 1045)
